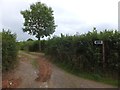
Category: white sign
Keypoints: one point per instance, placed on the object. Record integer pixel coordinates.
(98, 42)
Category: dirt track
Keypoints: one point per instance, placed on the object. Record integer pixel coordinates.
(34, 71)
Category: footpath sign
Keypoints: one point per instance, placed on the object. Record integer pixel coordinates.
(98, 42)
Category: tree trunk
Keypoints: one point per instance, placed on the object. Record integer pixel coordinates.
(39, 44)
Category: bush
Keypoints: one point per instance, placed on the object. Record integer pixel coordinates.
(9, 50)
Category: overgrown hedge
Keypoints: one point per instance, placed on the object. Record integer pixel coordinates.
(9, 50)
(79, 52)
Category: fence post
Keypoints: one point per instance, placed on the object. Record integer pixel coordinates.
(103, 51)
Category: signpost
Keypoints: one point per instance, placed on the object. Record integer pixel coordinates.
(100, 42)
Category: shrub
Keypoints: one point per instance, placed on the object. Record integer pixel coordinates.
(9, 50)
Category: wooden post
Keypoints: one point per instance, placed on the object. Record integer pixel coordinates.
(103, 51)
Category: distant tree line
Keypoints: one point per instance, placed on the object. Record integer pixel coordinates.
(32, 45)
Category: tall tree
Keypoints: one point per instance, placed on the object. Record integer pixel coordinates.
(39, 21)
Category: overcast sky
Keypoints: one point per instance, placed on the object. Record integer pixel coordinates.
(71, 16)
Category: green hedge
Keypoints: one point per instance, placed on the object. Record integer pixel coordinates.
(79, 53)
(9, 50)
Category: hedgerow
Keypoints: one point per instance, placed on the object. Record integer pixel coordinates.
(80, 54)
(9, 50)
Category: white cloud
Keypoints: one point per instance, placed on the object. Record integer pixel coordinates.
(91, 11)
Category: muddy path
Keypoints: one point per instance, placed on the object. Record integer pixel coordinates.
(35, 71)
(25, 75)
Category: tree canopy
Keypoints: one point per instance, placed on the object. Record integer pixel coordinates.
(39, 20)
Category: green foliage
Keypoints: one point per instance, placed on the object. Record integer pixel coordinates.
(9, 50)
(39, 20)
(80, 54)
(32, 46)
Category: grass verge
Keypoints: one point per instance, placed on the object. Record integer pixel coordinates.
(34, 63)
(90, 76)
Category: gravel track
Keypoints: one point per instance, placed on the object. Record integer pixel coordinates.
(46, 75)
